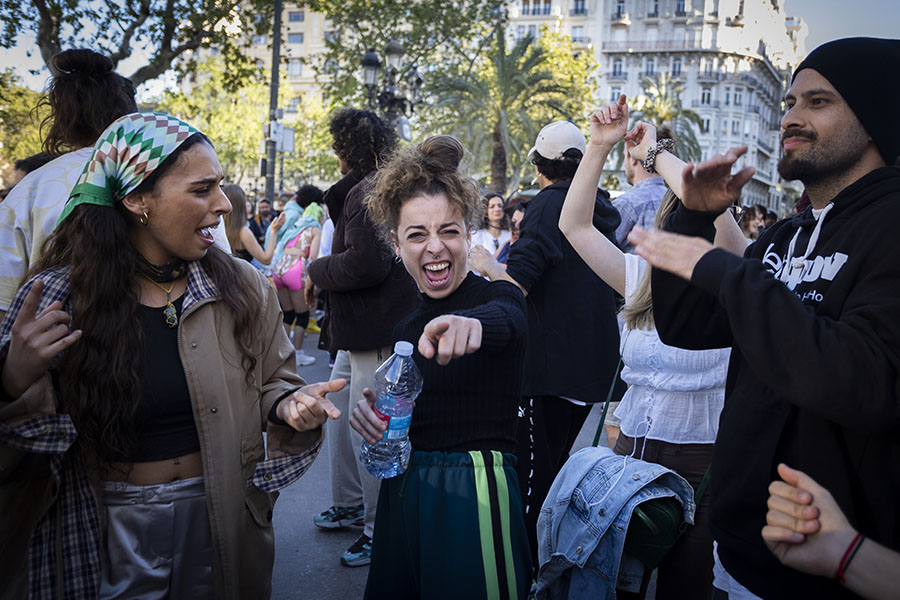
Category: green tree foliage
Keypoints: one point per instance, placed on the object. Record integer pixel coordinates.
(660, 104)
(498, 106)
(234, 122)
(167, 30)
(20, 120)
(436, 36)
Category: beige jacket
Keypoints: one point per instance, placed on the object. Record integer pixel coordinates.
(230, 416)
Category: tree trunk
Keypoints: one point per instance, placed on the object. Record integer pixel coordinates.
(498, 160)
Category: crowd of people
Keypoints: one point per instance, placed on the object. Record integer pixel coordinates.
(154, 320)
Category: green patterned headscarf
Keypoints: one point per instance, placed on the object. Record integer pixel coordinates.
(129, 150)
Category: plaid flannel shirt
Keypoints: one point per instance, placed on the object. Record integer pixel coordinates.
(75, 514)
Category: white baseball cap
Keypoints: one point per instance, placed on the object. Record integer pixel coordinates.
(557, 137)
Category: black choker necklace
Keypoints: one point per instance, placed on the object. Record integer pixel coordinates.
(171, 271)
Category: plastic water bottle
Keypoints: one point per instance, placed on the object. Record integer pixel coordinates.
(397, 384)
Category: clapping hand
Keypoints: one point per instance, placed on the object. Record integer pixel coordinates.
(709, 185)
(278, 223)
(671, 252)
(640, 139)
(609, 124)
(35, 340)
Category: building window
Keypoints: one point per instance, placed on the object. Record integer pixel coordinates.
(329, 36)
(296, 16)
(546, 7)
(650, 67)
(578, 34)
(738, 96)
(295, 67)
(526, 7)
(295, 38)
(578, 8)
(676, 67)
(654, 9)
(679, 8)
(735, 128)
(260, 40)
(293, 105)
(705, 95)
(705, 126)
(532, 31)
(520, 32)
(617, 67)
(727, 96)
(620, 7)
(614, 94)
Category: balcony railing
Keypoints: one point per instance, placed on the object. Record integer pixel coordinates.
(762, 144)
(657, 45)
(581, 39)
(650, 74)
(653, 15)
(617, 76)
(700, 104)
(621, 18)
(710, 76)
(578, 11)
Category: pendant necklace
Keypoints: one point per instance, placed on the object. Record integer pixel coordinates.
(170, 314)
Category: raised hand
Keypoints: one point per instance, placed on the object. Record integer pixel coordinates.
(710, 186)
(365, 421)
(640, 139)
(308, 407)
(805, 528)
(483, 261)
(35, 340)
(609, 124)
(449, 337)
(278, 223)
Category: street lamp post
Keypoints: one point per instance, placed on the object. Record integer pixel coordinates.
(391, 99)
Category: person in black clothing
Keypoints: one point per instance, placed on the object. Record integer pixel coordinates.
(260, 223)
(451, 526)
(812, 313)
(573, 336)
(368, 294)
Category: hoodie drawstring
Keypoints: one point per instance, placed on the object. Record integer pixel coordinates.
(798, 262)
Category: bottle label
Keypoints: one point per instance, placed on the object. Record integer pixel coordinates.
(398, 427)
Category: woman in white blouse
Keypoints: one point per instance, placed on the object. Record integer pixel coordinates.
(495, 231)
(670, 413)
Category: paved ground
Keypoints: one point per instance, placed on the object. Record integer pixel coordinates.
(307, 559)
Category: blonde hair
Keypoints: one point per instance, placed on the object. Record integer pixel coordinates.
(237, 218)
(432, 167)
(638, 311)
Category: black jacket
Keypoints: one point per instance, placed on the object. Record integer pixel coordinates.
(814, 378)
(573, 337)
(368, 291)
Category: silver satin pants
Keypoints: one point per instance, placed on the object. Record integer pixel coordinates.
(157, 542)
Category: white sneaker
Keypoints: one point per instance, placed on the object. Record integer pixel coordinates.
(304, 359)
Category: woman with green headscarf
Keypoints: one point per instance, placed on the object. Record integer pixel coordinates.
(139, 367)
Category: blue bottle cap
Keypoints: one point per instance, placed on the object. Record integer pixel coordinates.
(402, 348)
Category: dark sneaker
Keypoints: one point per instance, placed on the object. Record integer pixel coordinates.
(336, 518)
(359, 554)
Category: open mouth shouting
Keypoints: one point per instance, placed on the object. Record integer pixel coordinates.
(437, 274)
(206, 234)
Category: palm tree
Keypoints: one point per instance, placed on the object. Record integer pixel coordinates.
(660, 104)
(494, 105)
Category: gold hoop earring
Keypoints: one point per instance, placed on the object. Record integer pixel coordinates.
(144, 219)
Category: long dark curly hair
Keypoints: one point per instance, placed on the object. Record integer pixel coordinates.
(362, 139)
(99, 378)
(85, 95)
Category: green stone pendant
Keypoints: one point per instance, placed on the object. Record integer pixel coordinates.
(171, 315)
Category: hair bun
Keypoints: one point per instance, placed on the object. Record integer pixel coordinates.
(443, 153)
(82, 60)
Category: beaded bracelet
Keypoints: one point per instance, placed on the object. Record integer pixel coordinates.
(849, 553)
(650, 161)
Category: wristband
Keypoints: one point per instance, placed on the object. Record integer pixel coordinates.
(650, 161)
(849, 553)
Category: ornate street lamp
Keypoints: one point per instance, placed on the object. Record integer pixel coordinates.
(391, 101)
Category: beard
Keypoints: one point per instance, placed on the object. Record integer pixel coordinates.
(823, 158)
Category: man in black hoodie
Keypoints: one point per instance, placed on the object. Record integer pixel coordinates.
(812, 313)
(573, 336)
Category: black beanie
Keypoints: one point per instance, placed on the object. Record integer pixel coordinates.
(864, 71)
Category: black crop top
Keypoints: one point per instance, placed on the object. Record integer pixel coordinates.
(164, 422)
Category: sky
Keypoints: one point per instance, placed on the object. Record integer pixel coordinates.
(826, 19)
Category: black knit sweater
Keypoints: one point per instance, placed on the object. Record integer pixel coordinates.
(471, 403)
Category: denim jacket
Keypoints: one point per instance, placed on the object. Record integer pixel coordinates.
(582, 525)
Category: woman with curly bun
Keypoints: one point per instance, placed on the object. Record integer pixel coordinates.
(452, 525)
